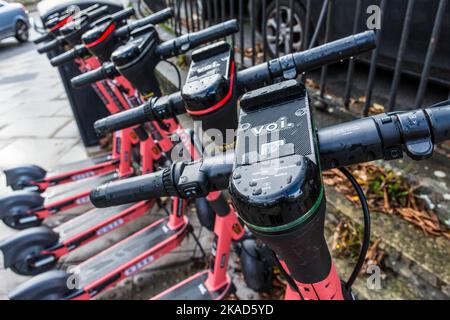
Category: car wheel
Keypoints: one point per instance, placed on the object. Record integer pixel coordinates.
(284, 38)
(22, 32)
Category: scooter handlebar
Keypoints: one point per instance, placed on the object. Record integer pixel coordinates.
(163, 108)
(189, 41)
(46, 37)
(67, 56)
(385, 136)
(106, 71)
(179, 181)
(51, 45)
(378, 137)
(152, 19)
(129, 190)
(439, 118)
(121, 120)
(290, 66)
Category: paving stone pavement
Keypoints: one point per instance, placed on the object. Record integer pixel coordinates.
(36, 122)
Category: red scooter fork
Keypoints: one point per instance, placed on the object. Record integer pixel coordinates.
(226, 229)
(328, 289)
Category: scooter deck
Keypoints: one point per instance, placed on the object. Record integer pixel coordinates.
(193, 288)
(65, 191)
(125, 253)
(77, 165)
(87, 221)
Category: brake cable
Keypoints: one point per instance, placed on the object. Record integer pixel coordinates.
(366, 237)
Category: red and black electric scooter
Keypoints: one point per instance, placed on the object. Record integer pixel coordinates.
(278, 192)
(151, 242)
(199, 178)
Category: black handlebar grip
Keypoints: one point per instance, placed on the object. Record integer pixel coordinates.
(334, 51)
(439, 118)
(152, 19)
(122, 120)
(67, 56)
(189, 41)
(291, 65)
(122, 14)
(106, 71)
(88, 78)
(349, 143)
(155, 18)
(51, 45)
(46, 37)
(165, 108)
(94, 13)
(130, 190)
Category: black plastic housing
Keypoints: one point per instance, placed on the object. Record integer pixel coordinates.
(101, 41)
(276, 178)
(210, 89)
(136, 61)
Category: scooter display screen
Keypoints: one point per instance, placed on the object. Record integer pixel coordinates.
(275, 157)
(209, 92)
(279, 128)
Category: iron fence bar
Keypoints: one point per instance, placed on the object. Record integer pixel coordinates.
(174, 23)
(209, 12)
(191, 10)
(197, 12)
(291, 26)
(323, 11)
(241, 28)
(233, 36)
(351, 64)
(400, 55)
(324, 72)
(264, 28)
(216, 11)
(178, 18)
(373, 63)
(277, 32)
(307, 25)
(186, 13)
(252, 14)
(222, 4)
(430, 52)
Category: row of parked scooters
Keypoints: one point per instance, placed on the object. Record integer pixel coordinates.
(275, 183)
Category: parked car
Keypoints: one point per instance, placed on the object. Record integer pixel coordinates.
(342, 25)
(14, 21)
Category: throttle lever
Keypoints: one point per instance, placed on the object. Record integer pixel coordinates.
(416, 134)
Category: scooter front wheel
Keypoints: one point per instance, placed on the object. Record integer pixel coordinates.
(13, 221)
(257, 265)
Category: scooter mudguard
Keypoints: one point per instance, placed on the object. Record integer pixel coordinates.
(50, 285)
(257, 265)
(14, 246)
(22, 176)
(19, 200)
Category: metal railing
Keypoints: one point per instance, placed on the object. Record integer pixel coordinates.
(254, 45)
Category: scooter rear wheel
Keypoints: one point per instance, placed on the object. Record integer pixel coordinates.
(24, 265)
